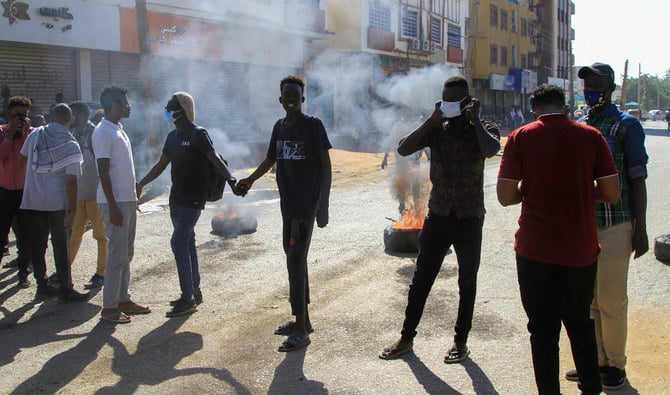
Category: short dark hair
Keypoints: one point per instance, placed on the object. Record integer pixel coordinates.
(292, 79)
(61, 113)
(457, 81)
(547, 94)
(80, 107)
(16, 101)
(111, 94)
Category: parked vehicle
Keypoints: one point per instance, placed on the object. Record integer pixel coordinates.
(656, 115)
(634, 112)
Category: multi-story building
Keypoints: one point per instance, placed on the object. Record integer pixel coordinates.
(374, 40)
(554, 43)
(230, 54)
(500, 58)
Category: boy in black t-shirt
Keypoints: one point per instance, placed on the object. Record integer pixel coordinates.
(187, 148)
(299, 147)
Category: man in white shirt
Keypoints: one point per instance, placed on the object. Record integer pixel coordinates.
(117, 200)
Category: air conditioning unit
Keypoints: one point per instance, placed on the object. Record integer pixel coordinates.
(415, 44)
(425, 45)
(432, 46)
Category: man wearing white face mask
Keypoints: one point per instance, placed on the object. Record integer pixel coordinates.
(458, 145)
(188, 148)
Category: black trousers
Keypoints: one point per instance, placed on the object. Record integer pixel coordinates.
(437, 236)
(551, 294)
(297, 237)
(10, 201)
(36, 226)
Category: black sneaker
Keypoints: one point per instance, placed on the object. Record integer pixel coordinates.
(182, 307)
(53, 279)
(615, 378)
(70, 295)
(571, 375)
(46, 290)
(97, 281)
(24, 282)
(198, 299)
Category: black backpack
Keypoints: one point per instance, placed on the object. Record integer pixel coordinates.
(215, 182)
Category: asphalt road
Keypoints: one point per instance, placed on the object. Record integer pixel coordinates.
(358, 298)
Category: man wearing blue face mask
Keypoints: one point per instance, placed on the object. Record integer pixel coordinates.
(188, 148)
(621, 225)
(459, 143)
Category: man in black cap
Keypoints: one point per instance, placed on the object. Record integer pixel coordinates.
(621, 225)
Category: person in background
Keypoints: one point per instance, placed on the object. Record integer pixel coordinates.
(87, 186)
(622, 225)
(299, 146)
(117, 199)
(550, 166)
(187, 149)
(49, 200)
(97, 116)
(459, 144)
(12, 181)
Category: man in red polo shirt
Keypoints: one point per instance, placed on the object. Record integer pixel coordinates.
(557, 169)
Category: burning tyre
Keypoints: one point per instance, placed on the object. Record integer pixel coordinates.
(233, 222)
(401, 240)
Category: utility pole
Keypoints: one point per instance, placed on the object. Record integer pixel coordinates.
(623, 86)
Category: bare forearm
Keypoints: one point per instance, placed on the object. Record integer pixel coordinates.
(71, 192)
(263, 168)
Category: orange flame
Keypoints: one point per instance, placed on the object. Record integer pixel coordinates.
(410, 220)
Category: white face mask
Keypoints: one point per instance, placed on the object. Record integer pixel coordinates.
(451, 109)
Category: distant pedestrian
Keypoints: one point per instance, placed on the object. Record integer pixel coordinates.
(117, 199)
(459, 144)
(299, 146)
(550, 167)
(188, 149)
(87, 187)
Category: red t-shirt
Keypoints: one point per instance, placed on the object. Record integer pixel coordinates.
(556, 161)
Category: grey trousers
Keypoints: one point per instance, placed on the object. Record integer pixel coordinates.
(120, 253)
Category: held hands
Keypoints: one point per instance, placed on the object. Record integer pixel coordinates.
(242, 187)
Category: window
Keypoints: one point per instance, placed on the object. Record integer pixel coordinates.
(514, 20)
(438, 7)
(453, 36)
(494, 15)
(410, 22)
(503, 19)
(453, 10)
(436, 30)
(524, 27)
(503, 56)
(379, 16)
(523, 62)
(514, 56)
(493, 56)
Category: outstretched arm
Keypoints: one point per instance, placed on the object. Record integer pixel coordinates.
(244, 185)
(155, 171)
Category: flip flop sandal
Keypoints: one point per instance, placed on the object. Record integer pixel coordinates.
(455, 355)
(393, 352)
(293, 343)
(119, 318)
(288, 327)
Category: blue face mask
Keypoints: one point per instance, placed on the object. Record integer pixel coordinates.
(167, 115)
(595, 99)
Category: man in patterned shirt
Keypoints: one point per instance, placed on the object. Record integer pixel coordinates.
(458, 145)
(621, 226)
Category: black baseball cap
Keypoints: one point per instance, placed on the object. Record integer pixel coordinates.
(597, 69)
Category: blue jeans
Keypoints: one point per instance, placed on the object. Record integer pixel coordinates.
(183, 247)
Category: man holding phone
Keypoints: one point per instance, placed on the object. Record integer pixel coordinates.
(459, 143)
(13, 175)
